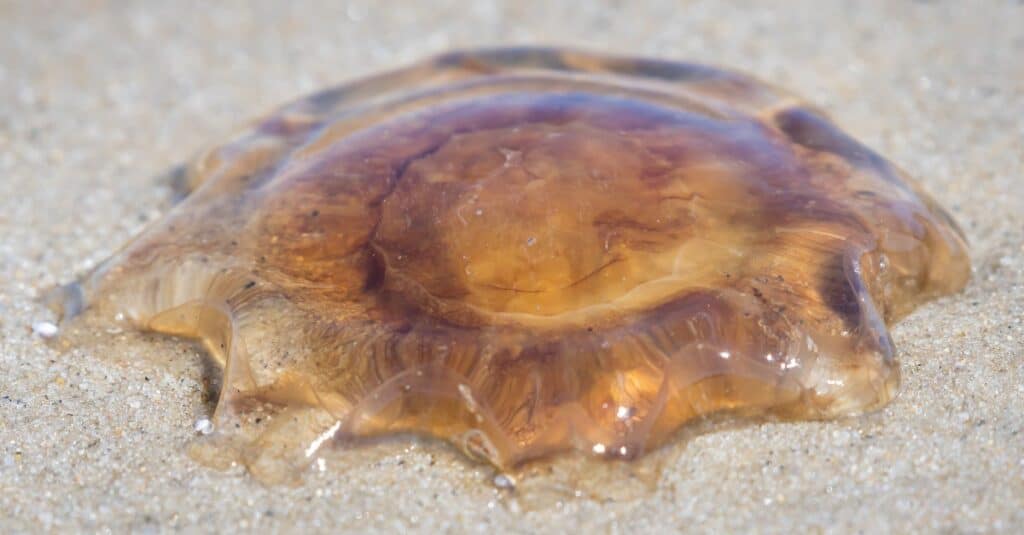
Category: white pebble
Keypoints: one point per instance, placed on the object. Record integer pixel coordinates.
(503, 481)
(45, 329)
(203, 426)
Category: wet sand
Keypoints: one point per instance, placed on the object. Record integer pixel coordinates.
(99, 99)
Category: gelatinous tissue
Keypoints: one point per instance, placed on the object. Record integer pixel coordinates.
(526, 251)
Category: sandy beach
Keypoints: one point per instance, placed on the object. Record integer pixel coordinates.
(99, 99)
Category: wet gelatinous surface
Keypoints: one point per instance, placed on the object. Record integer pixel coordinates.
(524, 251)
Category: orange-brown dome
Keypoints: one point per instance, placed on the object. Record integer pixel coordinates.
(524, 251)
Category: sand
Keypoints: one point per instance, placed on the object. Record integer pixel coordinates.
(98, 99)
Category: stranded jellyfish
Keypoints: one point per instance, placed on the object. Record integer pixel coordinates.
(526, 251)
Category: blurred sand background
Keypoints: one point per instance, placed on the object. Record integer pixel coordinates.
(97, 99)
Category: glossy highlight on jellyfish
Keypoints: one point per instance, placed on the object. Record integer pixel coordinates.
(526, 251)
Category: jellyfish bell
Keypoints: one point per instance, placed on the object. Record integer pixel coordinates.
(529, 251)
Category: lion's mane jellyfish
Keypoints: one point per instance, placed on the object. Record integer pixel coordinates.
(526, 251)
